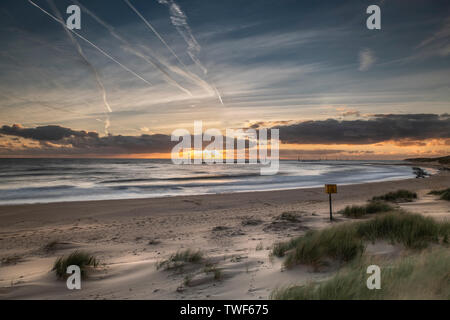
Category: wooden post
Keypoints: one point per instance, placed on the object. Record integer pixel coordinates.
(330, 188)
(331, 210)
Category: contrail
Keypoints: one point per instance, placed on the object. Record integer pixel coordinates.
(92, 44)
(188, 75)
(167, 76)
(88, 64)
(218, 94)
(179, 21)
(192, 44)
(154, 31)
(210, 89)
(129, 48)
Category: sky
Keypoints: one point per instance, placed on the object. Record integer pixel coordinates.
(139, 69)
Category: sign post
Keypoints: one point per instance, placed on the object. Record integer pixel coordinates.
(330, 188)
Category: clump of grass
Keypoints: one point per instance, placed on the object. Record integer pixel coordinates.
(288, 216)
(347, 241)
(187, 280)
(422, 276)
(315, 248)
(79, 258)
(443, 194)
(370, 208)
(217, 274)
(412, 230)
(280, 248)
(211, 268)
(259, 246)
(179, 258)
(397, 196)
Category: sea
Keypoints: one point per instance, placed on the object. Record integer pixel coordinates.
(57, 180)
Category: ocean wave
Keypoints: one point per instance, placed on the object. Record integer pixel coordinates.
(29, 181)
(188, 178)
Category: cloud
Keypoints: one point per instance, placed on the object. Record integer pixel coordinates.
(54, 139)
(50, 133)
(439, 42)
(90, 142)
(403, 129)
(366, 59)
(378, 128)
(260, 124)
(295, 153)
(351, 113)
(410, 143)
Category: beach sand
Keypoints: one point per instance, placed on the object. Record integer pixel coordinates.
(235, 231)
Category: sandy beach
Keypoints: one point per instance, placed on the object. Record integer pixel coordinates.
(181, 151)
(129, 237)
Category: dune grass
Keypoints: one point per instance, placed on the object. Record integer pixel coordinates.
(316, 247)
(412, 230)
(443, 194)
(422, 276)
(212, 268)
(79, 258)
(178, 259)
(346, 242)
(397, 196)
(370, 208)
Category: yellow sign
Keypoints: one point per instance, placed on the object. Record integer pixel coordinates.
(330, 188)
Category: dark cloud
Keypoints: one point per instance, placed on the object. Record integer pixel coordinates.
(405, 130)
(90, 142)
(45, 133)
(351, 114)
(320, 152)
(57, 139)
(267, 124)
(379, 128)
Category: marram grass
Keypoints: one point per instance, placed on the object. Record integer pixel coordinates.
(346, 241)
(425, 275)
(397, 196)
(179, 258)
(443, 194)
(370, 208)
(79, 258)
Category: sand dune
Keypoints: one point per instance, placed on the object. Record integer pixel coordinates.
(235, 231)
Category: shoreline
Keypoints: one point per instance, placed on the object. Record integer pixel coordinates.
(131, 236)
(438, 169)
(225, 194)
